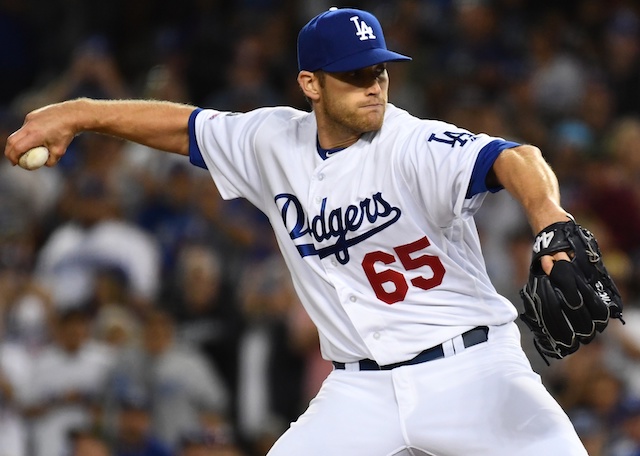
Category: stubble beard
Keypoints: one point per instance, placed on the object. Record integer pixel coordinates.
(347, 118)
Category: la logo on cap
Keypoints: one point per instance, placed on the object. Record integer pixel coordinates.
(362, 29)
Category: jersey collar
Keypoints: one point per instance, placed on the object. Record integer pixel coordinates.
(326, 153)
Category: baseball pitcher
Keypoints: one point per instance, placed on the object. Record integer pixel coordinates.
(373, 212)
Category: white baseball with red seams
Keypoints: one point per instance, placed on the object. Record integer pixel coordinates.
(34, 158)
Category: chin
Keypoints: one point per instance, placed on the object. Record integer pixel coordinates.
(374, 123)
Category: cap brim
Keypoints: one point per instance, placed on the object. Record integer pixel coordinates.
(364, 59)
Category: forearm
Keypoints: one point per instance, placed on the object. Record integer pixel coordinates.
(526, 175)
(157, 124)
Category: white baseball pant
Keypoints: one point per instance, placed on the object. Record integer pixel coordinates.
(483, 401)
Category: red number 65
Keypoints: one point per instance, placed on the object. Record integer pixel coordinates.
(377, 279)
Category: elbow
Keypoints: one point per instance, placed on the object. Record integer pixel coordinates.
(527, 151)
(520, 158)
(521, 164)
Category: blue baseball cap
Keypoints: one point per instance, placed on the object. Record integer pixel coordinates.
(343, 39)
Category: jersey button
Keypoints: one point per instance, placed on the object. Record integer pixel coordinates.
(318, 199)
(353, 298)
(335, 263)
(320, 176)
(376, 335)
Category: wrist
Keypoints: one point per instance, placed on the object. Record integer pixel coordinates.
(541, 220)
(83, 116)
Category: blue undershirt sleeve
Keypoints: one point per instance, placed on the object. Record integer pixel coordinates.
(195, 156)
(484, 162)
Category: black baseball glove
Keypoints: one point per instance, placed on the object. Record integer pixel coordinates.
(575, 301)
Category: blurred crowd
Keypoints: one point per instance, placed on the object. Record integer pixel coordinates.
(141, 315)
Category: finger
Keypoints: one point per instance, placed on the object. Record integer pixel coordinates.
(548, 261)
(55, 154)
(561, 256)
(563, 278)
(15, 146)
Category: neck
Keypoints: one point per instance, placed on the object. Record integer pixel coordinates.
(328, 143)
(332, 136)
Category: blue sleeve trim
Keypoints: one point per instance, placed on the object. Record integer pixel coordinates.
(195, 156)
(484, 162)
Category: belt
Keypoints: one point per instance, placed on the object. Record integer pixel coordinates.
(470, 338)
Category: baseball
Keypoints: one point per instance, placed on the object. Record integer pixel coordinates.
(34, 158)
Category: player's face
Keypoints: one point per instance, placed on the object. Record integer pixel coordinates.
(355, 100)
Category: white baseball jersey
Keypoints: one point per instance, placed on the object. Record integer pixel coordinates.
(379, 237)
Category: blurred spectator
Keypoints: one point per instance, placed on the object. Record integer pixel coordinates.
(95, 236)
(627, 437)
(168, 215)
(116, 321)
(205, 309)
(624, 149)
(591, 431)
(476, 60)
(183, 388)
(622, 58)
(597, 111)
(611, 187)
(572, 143)
(230, 229)
(87, 442)
(26, 309)
(272, 369)
(500, 260)
(203, 443)
(624, 347)
(93, 72)
(604, 394)
(304, 341)
(557, 79)
(248, 86)
(15, 372)
(66, 384)
(117, 326)
(166, 79)
(28, 198)
(570, 380)
(134, 435)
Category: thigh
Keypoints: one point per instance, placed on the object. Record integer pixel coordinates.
(486, 401)
(354, 414)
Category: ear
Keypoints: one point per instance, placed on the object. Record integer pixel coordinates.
(309, 84)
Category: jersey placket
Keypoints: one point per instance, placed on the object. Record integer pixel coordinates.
(325, 191)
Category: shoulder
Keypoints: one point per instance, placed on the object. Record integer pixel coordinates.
(274, 114)
(400, 120)
(270, 121)
(407, 131)
(286, 117)
(285, 112)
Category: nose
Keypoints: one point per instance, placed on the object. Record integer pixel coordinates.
(374, 88)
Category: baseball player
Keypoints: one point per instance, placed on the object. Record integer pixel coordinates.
(373, 212)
